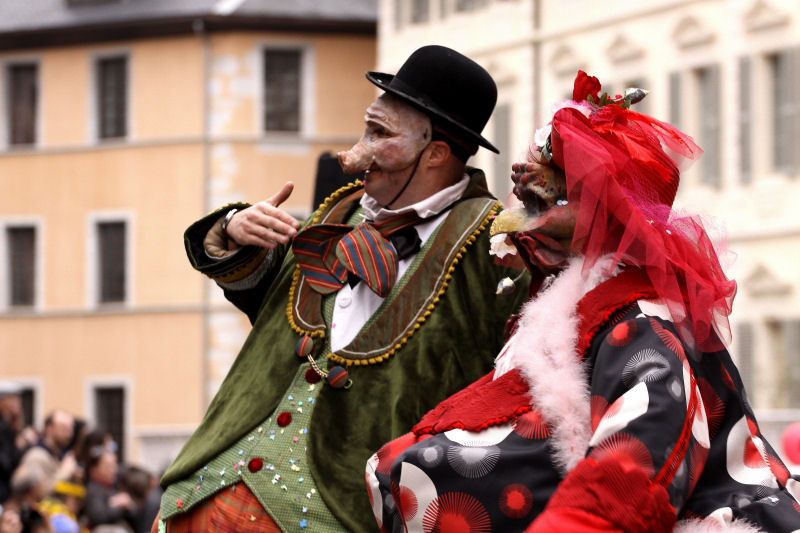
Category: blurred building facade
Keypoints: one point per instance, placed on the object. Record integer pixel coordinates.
(121, 123)
(725, 71)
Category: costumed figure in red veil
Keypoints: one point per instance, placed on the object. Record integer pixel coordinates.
(614, 405)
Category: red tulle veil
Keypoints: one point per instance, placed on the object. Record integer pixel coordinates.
(622, 170)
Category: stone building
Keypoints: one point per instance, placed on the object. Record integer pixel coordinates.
(122, 122)
(725, 71)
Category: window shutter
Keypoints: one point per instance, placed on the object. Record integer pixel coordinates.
(791, 339)
(745, 122)
(502, 161)
(744, 342)
(111, 238)
(22, 249)
(22, 104)
(282, 90)
(112, 97)
(710, 124)
(794, 135)
(110, 414)
(420, 11)
(675, 99)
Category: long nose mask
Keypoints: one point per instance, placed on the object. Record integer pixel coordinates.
(395, 135)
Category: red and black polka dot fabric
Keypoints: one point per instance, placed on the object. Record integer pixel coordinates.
(657, 407)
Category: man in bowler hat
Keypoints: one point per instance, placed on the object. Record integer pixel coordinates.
(379, 306)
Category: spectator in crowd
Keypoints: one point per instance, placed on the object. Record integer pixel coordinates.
(53, 447)
(63, 507)
(22, 513)
(91, 443)
(10, 425)
(142, 487)
(105, 505)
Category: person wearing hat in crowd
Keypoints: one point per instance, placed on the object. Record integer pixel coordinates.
(614, 405)
(63, 507)
(383, 304)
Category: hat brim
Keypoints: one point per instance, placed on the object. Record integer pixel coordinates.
(383, 80)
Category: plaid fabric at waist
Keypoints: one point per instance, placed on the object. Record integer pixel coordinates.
(232, 510)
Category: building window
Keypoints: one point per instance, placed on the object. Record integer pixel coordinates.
(502, 161)
(109, 415)
(786, 108)
(28, 400)
(675, 99)
(21, 243)
(745, 122)
(111, 239)
(470, 5)
(784, 336)
(22, 90)
(420, 11)
(745, 354)
(112, 97)
(282, 75)
(709, 113)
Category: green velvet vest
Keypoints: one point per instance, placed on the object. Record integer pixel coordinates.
(433, 335)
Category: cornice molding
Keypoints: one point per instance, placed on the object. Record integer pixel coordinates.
(623, 49)
(564, 61)
(763, 16)
(691, 32)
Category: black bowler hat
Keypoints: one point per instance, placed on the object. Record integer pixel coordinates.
(447, 86)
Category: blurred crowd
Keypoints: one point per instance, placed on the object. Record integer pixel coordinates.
(66, 477)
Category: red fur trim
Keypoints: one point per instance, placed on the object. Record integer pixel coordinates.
(487, 402)
(597, 307)
(627, 500)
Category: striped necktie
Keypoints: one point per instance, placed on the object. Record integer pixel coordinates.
(328, 253)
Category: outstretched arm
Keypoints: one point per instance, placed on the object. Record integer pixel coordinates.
(243, 256)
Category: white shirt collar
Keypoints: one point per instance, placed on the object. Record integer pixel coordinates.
(432, 205)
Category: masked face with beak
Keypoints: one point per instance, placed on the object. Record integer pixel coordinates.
(389, 151)
(541, 228)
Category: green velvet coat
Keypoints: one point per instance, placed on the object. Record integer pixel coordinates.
(438, 330)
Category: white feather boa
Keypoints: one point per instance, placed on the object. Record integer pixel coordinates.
(544, 349)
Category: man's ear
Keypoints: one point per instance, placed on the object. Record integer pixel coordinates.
(438, 153)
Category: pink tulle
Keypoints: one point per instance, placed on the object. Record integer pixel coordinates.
(622, 171)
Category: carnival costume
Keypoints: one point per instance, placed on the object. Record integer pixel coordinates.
(614, 405)
(295, 420)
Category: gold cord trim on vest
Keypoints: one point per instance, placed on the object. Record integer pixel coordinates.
(296, 275)
(383, 357)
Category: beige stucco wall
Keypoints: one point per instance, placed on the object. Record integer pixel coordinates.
(69, 351)
(156, 188)
(173, 341)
